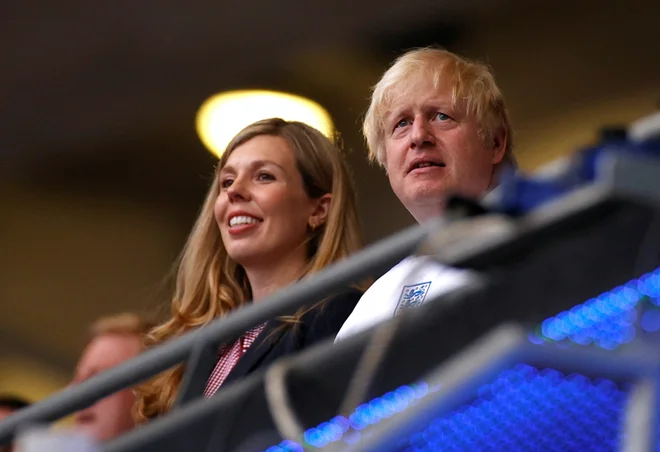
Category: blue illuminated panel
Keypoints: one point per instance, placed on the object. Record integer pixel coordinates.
(525, 409)
(365, 415)
(607, 321)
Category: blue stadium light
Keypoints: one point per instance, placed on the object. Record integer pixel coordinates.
(529, 409)
(608, 320)
(524, 408)
(366, 414)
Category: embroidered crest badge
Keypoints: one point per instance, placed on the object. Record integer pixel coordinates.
(411, 296)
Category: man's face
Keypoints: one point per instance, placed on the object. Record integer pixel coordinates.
(111, 416)
(433, 149)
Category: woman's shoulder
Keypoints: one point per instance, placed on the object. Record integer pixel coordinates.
(350, 295)
(324, 321)
(334, 310)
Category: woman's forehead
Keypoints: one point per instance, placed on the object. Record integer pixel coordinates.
(261, 148)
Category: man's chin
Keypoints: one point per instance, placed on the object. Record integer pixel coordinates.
(427, 196)
(424, 209)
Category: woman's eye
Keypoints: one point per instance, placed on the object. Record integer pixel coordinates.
(265, 176)
(442, 117)
(226, 183)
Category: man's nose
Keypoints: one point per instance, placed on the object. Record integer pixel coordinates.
(422, 134)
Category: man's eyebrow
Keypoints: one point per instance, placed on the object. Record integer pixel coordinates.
(394, 113)
(390, 116)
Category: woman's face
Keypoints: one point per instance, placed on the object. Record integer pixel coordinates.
(263, 211)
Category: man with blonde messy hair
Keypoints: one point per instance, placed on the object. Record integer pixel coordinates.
(113, 340)
(438, 125)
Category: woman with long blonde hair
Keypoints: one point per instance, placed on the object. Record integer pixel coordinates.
(281, 206)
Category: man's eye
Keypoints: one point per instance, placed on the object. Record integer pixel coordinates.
(442, 117)
(402, 123)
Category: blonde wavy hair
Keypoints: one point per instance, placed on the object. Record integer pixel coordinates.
(473, 88)
(209, 284)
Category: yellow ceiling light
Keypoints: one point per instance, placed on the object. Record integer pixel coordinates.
(222, 116)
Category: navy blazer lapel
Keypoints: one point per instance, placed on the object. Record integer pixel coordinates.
(262, 345)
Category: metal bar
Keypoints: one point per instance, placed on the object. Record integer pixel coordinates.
(153, 436)
(632, 175)
(372, 261)
(620, 366)
(198, 368)
(177, 423)
(641, 417)
(453, 316)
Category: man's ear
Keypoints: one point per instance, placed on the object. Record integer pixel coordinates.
(321, 210)
(499, 145)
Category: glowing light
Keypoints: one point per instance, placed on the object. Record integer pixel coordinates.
(222, 116)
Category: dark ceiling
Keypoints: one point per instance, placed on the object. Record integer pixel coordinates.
(101, 97)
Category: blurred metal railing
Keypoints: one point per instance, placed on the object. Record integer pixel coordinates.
(371, 262)
(531, 271)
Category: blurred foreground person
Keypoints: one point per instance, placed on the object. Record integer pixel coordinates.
(113, 340)
(439, 126)
(9, 405)
(281, 206)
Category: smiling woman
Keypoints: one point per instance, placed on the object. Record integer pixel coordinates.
(281, 207)
(264, 212)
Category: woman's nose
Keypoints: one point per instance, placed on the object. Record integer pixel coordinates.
(238, 190)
